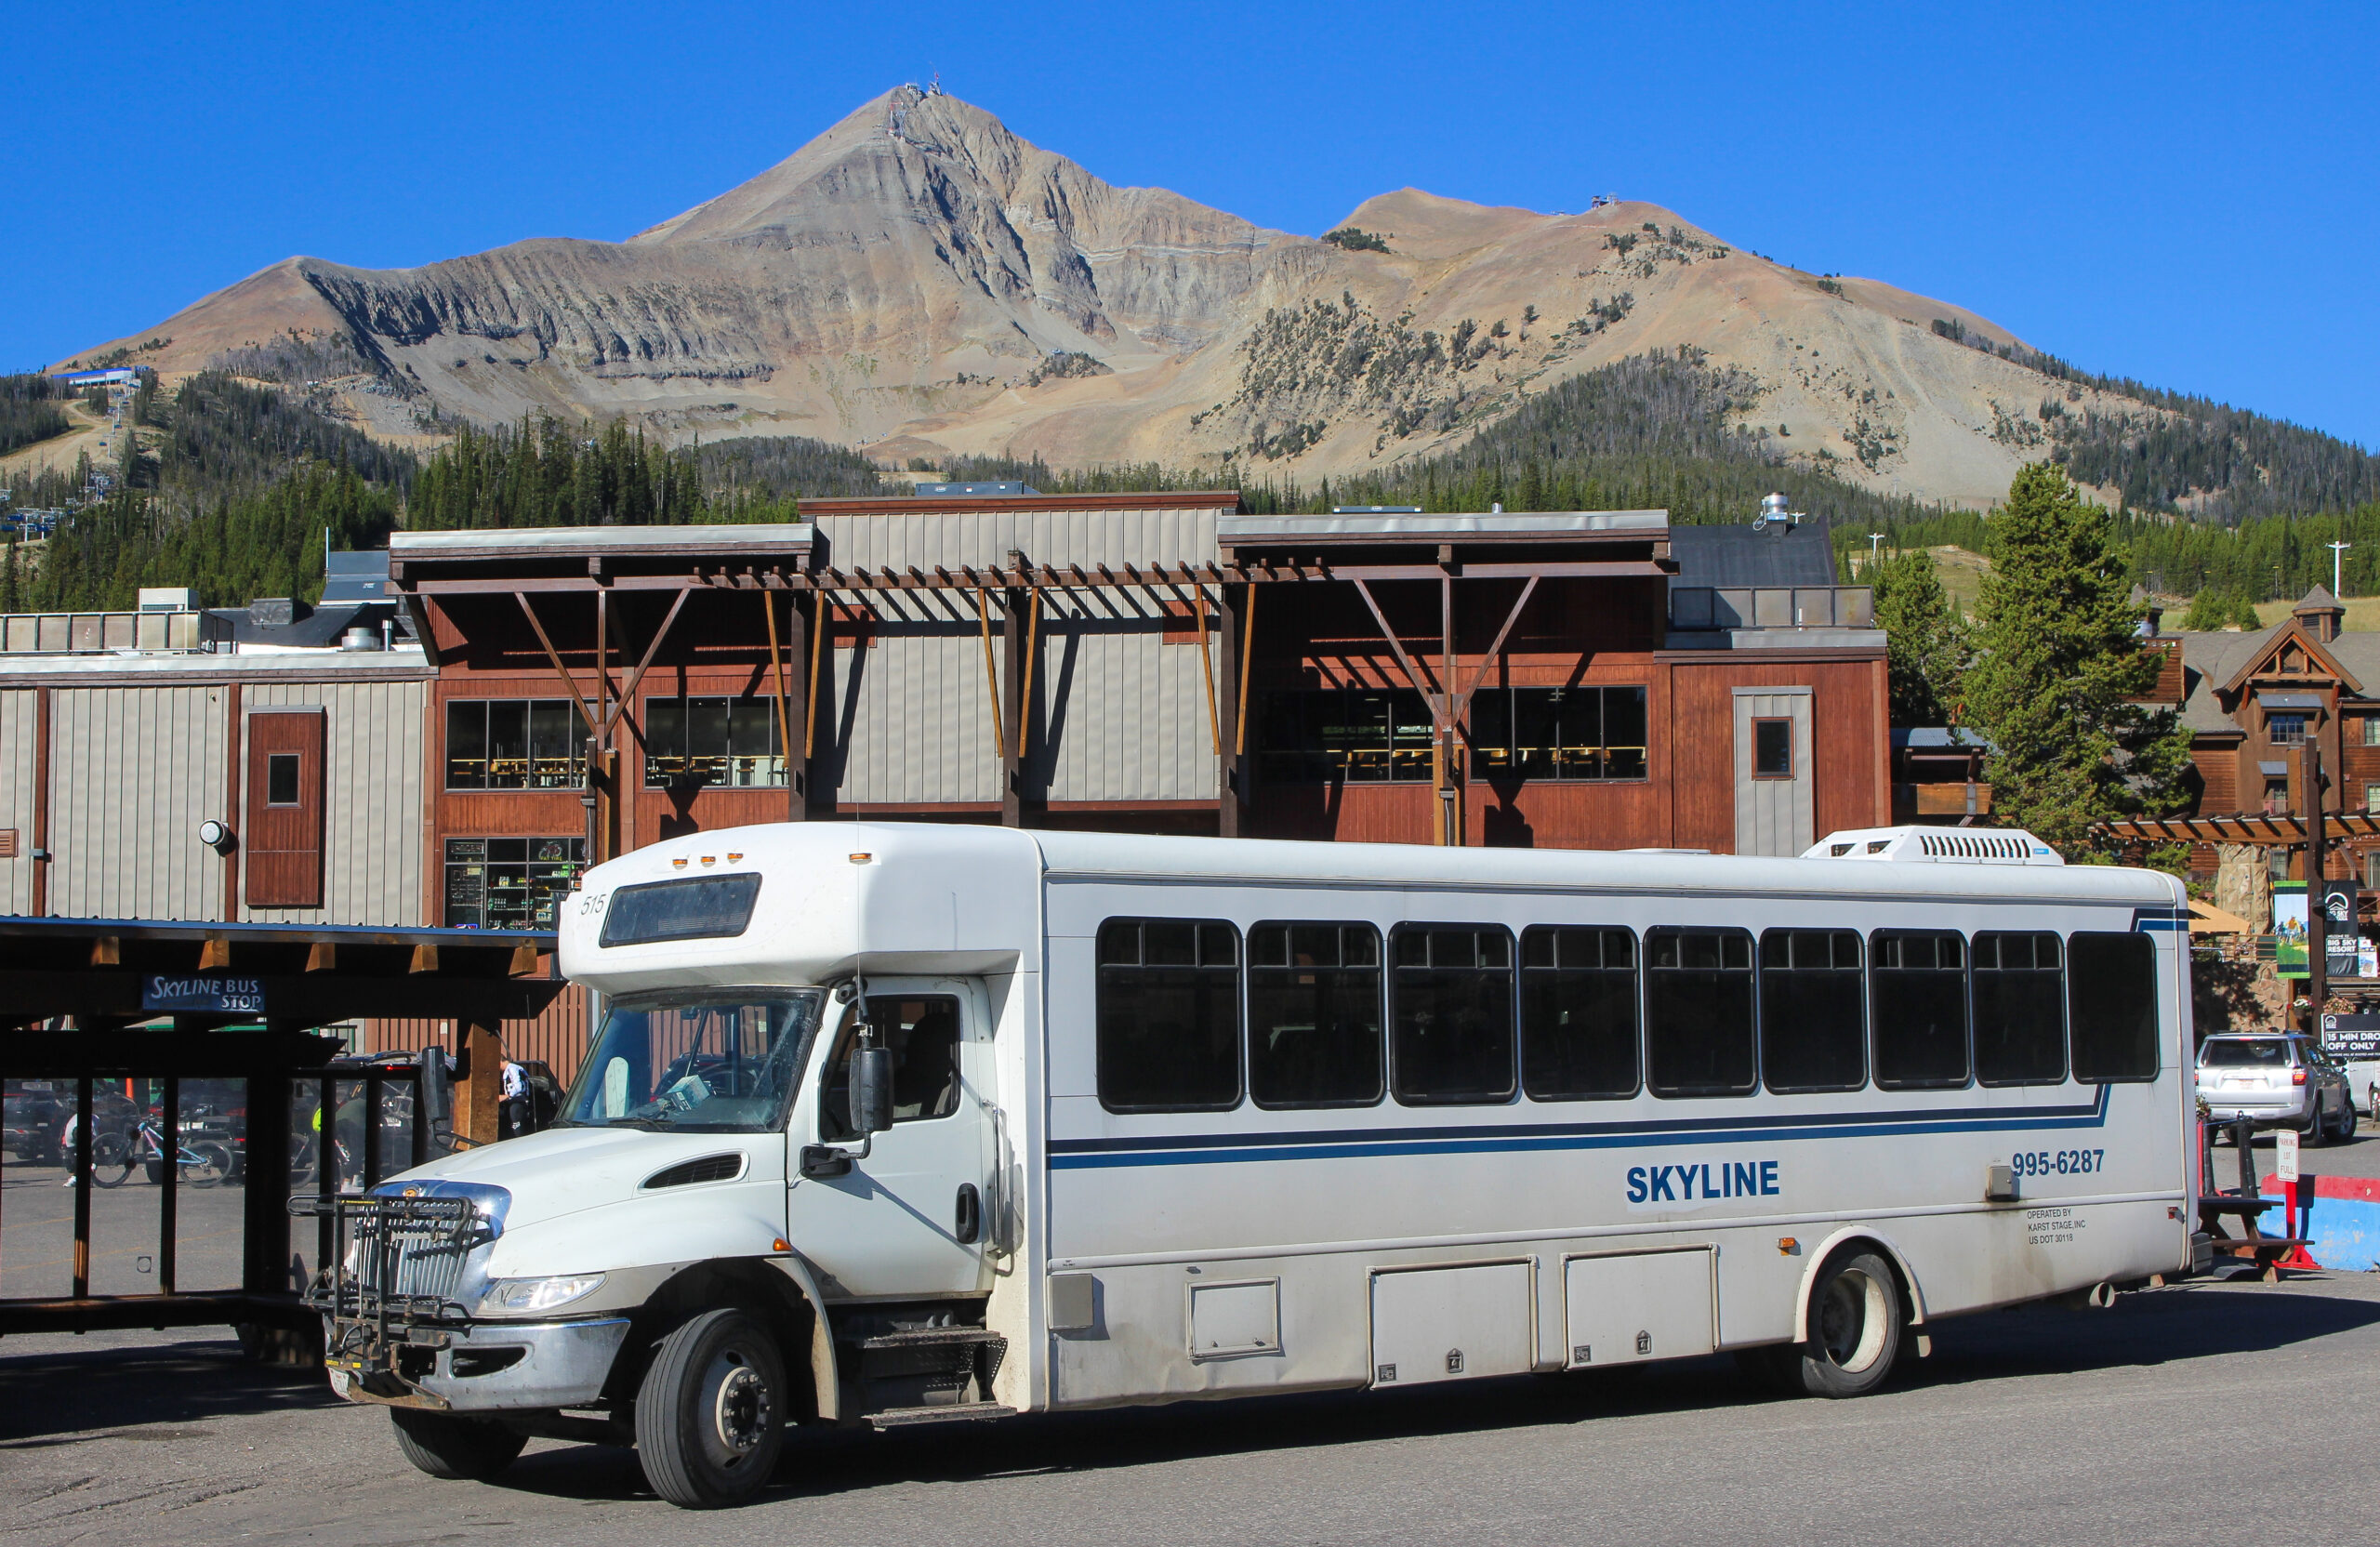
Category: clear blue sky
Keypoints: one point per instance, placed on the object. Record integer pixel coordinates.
(2183, 193)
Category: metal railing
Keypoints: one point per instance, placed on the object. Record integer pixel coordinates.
(110, 633)
(1712, 607)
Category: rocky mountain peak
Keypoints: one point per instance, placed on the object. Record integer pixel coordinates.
(918, 280)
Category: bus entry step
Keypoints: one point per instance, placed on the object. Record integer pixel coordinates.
(902, 1418)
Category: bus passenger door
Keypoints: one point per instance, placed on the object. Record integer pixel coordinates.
(910, 1217)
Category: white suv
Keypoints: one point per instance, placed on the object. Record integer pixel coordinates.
(2276, 1081)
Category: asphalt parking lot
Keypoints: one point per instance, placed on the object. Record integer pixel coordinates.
(2183, 1414)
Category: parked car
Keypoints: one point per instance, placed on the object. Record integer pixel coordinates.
(2276, 1081)
(39, 1112)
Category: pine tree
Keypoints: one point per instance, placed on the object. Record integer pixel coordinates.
(2060, 670)
(1925, 642)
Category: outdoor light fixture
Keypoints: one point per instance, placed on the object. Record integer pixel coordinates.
(217, 835)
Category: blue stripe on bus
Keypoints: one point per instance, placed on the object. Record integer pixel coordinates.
(1236, 1148)
(2162, 924)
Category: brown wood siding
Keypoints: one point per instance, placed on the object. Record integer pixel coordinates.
(284, 841)
(2219, 772)
(556, 1038)
(1845, 723)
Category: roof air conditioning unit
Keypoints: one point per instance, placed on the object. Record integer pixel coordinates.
(1936, 846)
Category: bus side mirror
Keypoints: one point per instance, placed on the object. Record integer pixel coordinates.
(871, 1089)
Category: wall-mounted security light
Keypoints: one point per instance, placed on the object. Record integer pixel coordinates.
(217, 835)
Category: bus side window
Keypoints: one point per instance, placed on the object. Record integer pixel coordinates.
(1812, 1014)
(1314, 1015)
(1169, 1015)
(1918, 996)
(1578, 1014)
(1452, 1009)
(2020, 1009)
(1698, 1038)
(2112, 987)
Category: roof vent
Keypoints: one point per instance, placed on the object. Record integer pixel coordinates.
(1938, 845)
(1773, 514)
(710, 1168)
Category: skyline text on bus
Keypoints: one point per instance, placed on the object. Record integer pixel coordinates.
(1701, 1182)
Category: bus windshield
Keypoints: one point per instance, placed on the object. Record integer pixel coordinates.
(706, 1062)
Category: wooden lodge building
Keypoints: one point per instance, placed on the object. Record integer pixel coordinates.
(2252, 701)
(1145, 662)
(1154, 662)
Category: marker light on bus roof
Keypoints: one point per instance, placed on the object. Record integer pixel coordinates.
(710, 859)
(861, 859)
(678, 863)
(733, 858)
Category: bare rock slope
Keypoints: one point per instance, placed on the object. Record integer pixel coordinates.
(918, 280)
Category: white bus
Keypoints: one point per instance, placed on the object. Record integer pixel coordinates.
(896, 1124)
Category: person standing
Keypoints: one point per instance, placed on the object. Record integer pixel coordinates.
(513, 1113)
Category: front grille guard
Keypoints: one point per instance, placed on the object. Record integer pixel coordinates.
(394, 1260)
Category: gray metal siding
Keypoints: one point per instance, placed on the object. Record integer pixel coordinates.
(373, 807)
(1774, 816)
(1125, 716)
(19, 710)
(912, 720)
(133, 772)
(1117, 714)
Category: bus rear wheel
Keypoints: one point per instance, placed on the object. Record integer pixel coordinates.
(710, 1413)
(1855, 1328)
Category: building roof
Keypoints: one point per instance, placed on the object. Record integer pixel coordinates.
(564, 542)
(197, 666)
(1368, 528)
(1739, 556)
(356, 576)
(2210, 660)
(893, 505)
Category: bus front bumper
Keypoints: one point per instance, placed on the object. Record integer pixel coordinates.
(482, 1366)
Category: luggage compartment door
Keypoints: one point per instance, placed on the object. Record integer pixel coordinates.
(1451, 1323)
(1631, 1306)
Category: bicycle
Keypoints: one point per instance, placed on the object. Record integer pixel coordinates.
(198, 1162)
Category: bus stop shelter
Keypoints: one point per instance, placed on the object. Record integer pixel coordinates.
(125, 1042)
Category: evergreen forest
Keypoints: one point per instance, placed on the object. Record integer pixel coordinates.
(228, 486)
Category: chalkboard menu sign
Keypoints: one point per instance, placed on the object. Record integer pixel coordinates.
(509, 883)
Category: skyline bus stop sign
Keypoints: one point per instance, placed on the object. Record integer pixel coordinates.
(203, 993)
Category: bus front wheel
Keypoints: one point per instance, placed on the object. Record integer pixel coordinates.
(1855, 1328)
(710, 1414)
(454, 1448)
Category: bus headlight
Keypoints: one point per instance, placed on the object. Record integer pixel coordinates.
(538, 1294)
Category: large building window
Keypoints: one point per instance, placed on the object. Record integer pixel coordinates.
(1343, 735)
(1590, 733)
(509, 883)
(513, 744)
(2285, 730)
(725, 742)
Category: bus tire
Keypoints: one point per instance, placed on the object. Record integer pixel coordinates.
(710, 1412)
(1855, 1328)
(458, 1450)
